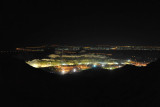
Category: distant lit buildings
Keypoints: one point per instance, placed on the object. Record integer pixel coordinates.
(75, 63)
(88, 48)
(70, 59)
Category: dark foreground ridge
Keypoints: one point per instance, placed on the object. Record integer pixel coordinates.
(128, 86)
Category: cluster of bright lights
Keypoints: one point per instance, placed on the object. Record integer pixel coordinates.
(70, 66)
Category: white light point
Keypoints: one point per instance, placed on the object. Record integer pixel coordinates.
(63, 72)
(128, 60)
(74, 70)
(35, 65)
(116, 63)
(103, 65)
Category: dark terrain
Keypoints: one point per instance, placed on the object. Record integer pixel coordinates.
(23, 85)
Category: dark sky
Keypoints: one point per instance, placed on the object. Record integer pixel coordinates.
(27, 23)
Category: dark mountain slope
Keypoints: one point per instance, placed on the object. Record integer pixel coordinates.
(128, 86)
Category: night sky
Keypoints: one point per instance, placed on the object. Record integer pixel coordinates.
(28, 23)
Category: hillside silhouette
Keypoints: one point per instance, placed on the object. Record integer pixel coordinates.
(125, 87)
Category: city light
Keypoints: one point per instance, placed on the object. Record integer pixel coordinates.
(71, 62)
(35, 65)
(128, 60)
(116, 63)
(94, 66)
(74, 70)
(63, 72)
(70, 65)
(103, 65)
